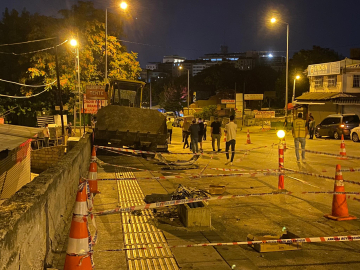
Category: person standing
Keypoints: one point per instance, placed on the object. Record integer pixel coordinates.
(186, 133)
(205, 126)
(216, 133)
(46, 133)
(311, 127)
(194, 133)
(201, 132)
(299, 132)
(230, 131)
(169, 126)
(69, 129)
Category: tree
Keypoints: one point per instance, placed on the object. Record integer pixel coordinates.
(82, 21)
(207, 111)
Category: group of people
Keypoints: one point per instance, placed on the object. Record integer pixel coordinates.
(197, 132)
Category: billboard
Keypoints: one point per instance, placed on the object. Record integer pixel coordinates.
(96, 92)
(228, 101)
(264, 114)
(254, 96)
(324, 69)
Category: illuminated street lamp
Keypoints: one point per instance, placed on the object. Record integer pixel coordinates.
(74, 43)
(181, 67)
(297, 77)
(123, 5)
(274, 20)
(280, 134)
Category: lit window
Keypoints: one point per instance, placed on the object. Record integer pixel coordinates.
(356, 81)
(332, 81)
(318, 81)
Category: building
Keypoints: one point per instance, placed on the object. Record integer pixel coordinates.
(173, 59)
(334, 88)
(152, 66)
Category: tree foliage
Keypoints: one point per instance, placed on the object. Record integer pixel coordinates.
(83, 22)
(206, 112)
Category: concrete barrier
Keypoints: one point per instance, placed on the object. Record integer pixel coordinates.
(32, 220)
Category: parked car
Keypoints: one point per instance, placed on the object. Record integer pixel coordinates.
(336, 125)
(355, 134)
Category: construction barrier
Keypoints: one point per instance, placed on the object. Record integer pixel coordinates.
(350, 170)
(326, 154)
(281, 183)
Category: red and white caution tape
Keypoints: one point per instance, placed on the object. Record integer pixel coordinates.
(242, 170)
(184, 201)
(192, 176)
(326, 154)
(350, 170)
(344, 238)
(321, 176)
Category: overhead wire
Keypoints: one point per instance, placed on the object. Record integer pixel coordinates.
(1, 95)
(30, 41)
(28, 85)
(41, 50)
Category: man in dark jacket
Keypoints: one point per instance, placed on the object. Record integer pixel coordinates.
(194, 133)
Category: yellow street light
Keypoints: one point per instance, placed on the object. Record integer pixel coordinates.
(297, 77)
(280, 134)
(123, 5)
(273, 20)
(188, 102)
(73, 42)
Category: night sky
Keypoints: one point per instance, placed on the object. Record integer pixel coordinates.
(191, 28)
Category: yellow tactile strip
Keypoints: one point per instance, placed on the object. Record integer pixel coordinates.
(138, 232)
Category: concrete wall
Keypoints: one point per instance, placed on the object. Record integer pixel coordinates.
(32, 220)
(46, 157)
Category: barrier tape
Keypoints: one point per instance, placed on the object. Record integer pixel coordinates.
(191, 176)
(321, 176)
(344, 238)
(184, 201)
(173, 153)
(350, 170)
(242, 170)
(325, 154)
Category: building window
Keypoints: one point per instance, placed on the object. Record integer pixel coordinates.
(318, 81)
(332, 81)
(356, 81)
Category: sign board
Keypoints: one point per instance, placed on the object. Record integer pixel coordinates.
(65, 108)
(239, 103)
(230, 105)
(264, 114)
(254, 96)
(324, 69)
(228, 101)
(96, 92)
(92, 106)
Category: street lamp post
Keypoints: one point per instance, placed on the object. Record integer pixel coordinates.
(293, 97)
(188, 88)
(74, 43)
(123, 6)
(273, 20)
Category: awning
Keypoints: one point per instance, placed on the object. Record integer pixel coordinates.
(12, 135)
(323, 96)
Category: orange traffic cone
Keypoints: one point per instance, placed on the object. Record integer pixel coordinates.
(342, 148)
(339, 205)
(92, 177)
(78, 255)
(93, 155)
(248, 141)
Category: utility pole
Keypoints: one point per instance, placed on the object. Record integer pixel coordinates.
(59, 90)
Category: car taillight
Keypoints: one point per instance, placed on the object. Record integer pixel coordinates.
(342, 125)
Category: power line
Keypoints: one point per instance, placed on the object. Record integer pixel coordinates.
(24, 96)
(28, 84)
(31, 41)
(49, 48)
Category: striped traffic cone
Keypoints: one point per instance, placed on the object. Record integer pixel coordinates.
(92, 177)
(93, 155)
(248, 141)
(342, 148)
(339, 205)
(78, 255)
(284, 143)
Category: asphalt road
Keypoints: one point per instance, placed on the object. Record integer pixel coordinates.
(233, 219)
